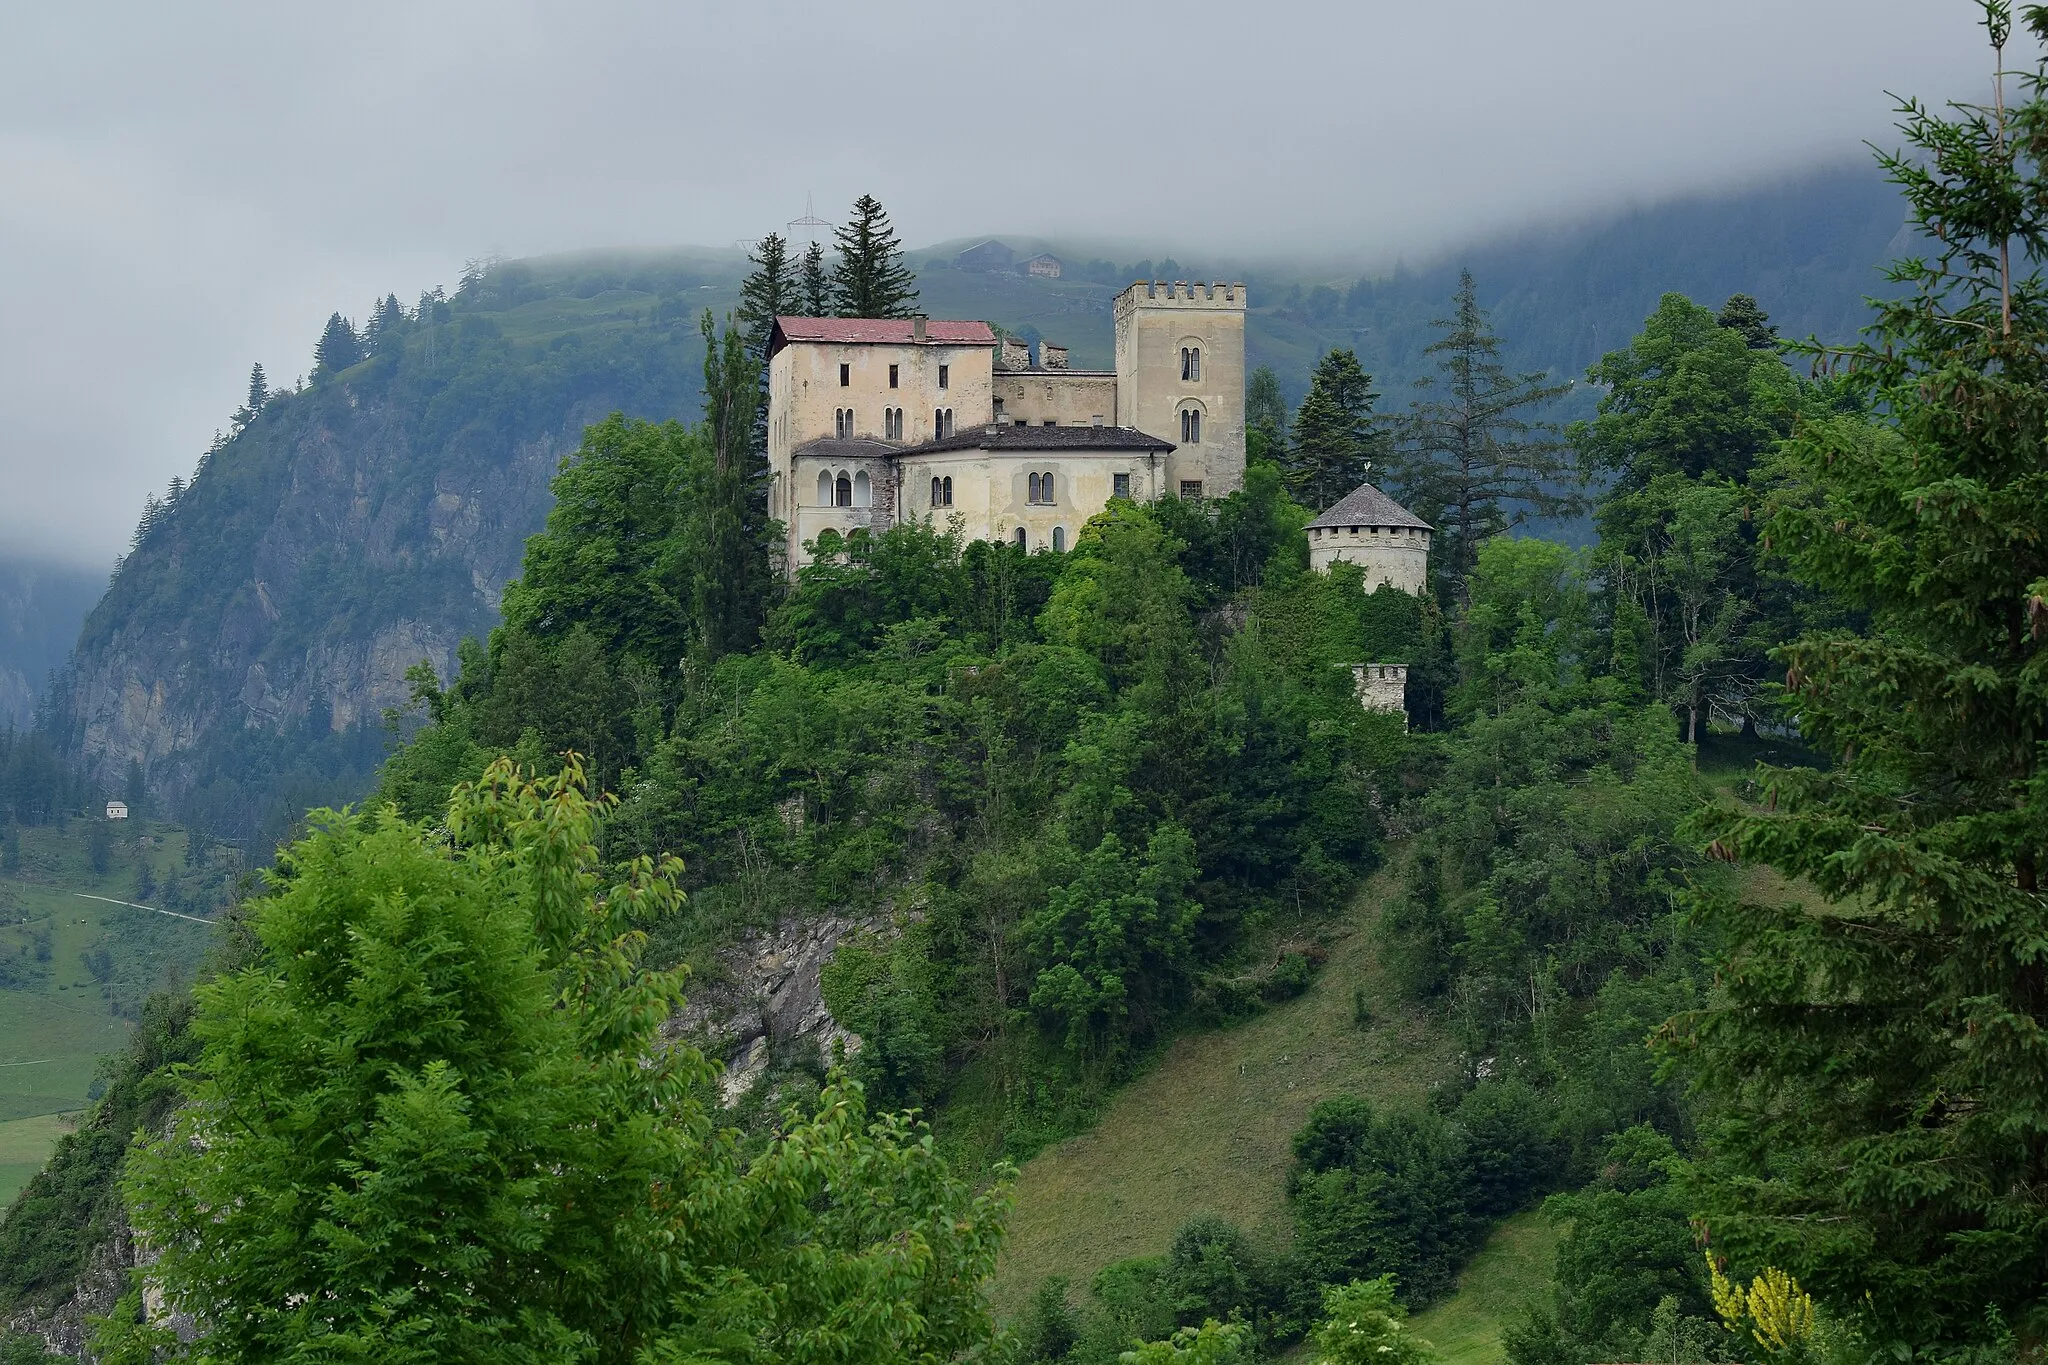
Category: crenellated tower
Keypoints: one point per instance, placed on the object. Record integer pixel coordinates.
(1180, 376)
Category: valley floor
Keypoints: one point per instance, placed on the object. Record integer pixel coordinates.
(1209, 1130)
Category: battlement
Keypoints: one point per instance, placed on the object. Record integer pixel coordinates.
(1181, 294)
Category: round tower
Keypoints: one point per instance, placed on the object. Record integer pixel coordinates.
(1371, 530)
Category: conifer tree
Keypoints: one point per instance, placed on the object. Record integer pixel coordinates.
(1265, 414)
(871, 280)
(1333, 435)
(769, 291)
(1470, 462)
(1880, 1064)
(815, 288)
(339, 347)
(259, 388)
(1744, 315)
(728, 560)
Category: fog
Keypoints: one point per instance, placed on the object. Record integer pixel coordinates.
(190, 188)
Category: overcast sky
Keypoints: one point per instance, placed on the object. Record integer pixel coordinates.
(185, 188)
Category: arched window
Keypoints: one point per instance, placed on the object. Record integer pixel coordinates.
(1020, 537)
(938, 423)
(824, 488)
(936, 492)
(1059, 539)
(1045, 487)
(1032, 495)
(1191, 426)
(843, 491)
(1190, 364)
(949, 421)
(946, 490)
(892, 424)
(863, 491)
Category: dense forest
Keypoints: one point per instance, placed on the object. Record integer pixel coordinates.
(1762, 1037)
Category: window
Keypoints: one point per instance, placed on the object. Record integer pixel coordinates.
(1119, 485)
(845, 376)
(1032, 496)
(935, 492)
(1020, 537)
(1191, 490)
(892, 375)
(842, 491)
(1059, 539)
(944, 372)
(1045, 486)
(824, 488)
(946, 490)
(1052, 421)
(1039, 488)
(1191, 426)
(999, 411)
(892, 424)
(942, 491)
(942, 423)
(863, 491)
(1190, 364)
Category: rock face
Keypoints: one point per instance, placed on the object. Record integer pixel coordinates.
(67, 1329)
(765, 1000)
(253, 640)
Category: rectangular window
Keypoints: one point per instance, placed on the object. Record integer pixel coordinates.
(1119, 485)
(892, 376)
(944, 372)
(1191, 490)
(845, 376)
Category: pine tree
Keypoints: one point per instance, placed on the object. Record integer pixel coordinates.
(816, 291)
(1879, 1064)
(871, 281)
(1333, 433)
(1469, 461)
(259, 388)
(771, 290)
(339, 347)
(1746, 316)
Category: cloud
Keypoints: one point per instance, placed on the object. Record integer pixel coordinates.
(193, 187)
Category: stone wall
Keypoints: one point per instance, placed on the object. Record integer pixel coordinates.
(1382, 687)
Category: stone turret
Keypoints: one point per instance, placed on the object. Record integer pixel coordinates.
(1371, 530)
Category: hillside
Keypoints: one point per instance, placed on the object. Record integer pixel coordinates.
(75, 970)
(249, 647)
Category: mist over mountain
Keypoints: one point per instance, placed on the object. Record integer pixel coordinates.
(41, 606)
(251, 645)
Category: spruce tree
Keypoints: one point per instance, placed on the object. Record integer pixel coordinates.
(815, 287)
(339, 347)
(1879, 1063)
(769, 291)
(1470, 462)
(259, 389)
(1265, 415)
(1745, 316)
(1333, 433)
(871, 280)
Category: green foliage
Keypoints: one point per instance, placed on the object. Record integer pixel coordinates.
(814, 286)
(508, 1166)
(340, 347)
(1333, 438)
(871, 280)
(1877, 1067)
(1470, 462)
(1265, 415)
(1627, 1252)
(1363, 1325)
(1688, 396)
(1213, 1343)
(770, 290)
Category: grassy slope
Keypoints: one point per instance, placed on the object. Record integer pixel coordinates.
(1513, 1267)
(1208, 1130)
(55, 1027)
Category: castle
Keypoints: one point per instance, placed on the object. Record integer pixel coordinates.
(873, 422)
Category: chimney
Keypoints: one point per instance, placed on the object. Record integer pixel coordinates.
(917, 328)
(1051, 357)
(1014, 355)
(1097, 420)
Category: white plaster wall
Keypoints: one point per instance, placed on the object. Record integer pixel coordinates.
(1389, 554)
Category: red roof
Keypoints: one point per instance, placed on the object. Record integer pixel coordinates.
(879, 331)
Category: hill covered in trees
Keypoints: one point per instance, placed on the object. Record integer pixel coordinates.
(262, 623)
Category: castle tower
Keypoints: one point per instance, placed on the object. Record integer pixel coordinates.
(1367, 528)
(1180, 376)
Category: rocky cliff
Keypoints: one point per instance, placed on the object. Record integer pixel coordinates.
(252, 642)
